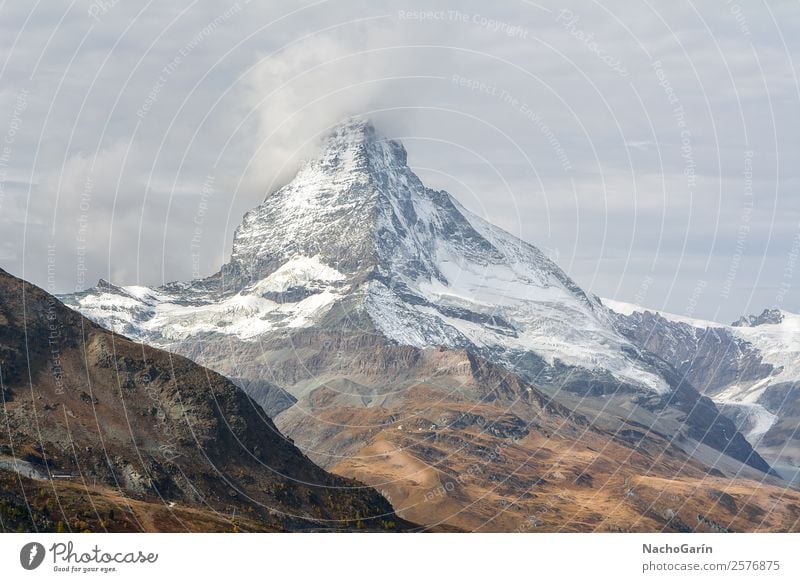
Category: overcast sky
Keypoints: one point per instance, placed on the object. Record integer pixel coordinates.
(650, 148)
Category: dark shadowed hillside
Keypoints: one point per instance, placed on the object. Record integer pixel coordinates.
(104, 433)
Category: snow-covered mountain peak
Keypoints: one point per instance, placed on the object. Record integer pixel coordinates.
(356, 234)
(332, 208)
(360, 209)
(355, 146)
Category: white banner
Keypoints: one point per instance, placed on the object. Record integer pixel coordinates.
(349, 557)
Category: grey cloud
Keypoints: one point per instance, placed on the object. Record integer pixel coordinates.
(556, 126)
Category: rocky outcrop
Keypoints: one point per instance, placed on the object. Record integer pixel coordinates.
(710, 359)
(768, 316)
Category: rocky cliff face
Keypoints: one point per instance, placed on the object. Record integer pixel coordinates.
(98, 409)
(343, 282)
(710, 358)
(749, 368)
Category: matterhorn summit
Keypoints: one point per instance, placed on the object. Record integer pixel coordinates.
(356, 239)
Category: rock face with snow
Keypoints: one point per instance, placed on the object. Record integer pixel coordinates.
(768, 316)
(345, 284)
(750, 368)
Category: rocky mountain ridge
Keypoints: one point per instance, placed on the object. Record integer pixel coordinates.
(749, 368)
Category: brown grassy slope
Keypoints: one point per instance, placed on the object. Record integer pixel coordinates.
(28, 505)
(450, 439)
